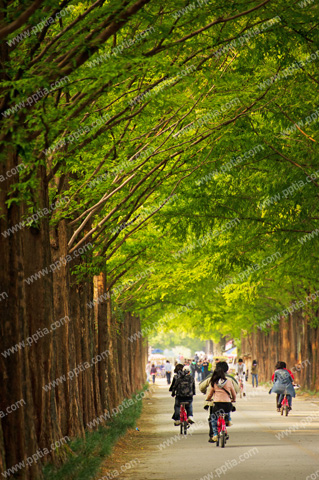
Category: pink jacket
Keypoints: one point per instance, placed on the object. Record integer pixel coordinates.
(220, 395)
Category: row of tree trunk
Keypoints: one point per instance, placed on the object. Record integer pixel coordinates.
(89, 391)
(294, 341)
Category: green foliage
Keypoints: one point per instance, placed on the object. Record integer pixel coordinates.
(176, 339)
(156, 183)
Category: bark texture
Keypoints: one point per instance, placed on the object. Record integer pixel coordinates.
(295, 342)
(81, 364)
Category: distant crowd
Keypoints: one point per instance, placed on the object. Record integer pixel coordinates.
(199, 368)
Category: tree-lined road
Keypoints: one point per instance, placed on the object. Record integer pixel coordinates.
(262, 445)
(158, 178)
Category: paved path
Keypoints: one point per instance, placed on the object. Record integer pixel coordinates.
(262, 444)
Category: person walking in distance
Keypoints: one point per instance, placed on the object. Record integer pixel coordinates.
(168, 371)
(153, 372)
(205, 368)
(148, 371)
(254, 373)
(192, 367)
(199, 370)
(241, 374)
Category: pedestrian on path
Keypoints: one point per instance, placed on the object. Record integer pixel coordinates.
(199, 370)
(241, 374)
(254, 373)
(205, 368)
(193, 368)
(153, 372)
(168, 371)
(148, 371)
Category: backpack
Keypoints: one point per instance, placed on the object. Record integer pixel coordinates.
(184, 386)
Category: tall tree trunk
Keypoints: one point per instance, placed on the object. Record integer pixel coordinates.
(18, 433)
(100, 313)
(40, 316)
(295, 342)
(67, 394)
(115, 388)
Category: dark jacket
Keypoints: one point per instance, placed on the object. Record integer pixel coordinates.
(205, 368)
(172, 388)
(283, 383)
(173, 384)
(192, 368)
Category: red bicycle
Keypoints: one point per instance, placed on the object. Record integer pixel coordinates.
(183, 418)
(221, 431)
(284, 406)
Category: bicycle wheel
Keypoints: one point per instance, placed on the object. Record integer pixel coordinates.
(286, 410)
(282, 410)
(218, 438)
(181, 428)
(185, 427)
(223, 440)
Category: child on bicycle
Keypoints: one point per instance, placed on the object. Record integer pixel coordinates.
(223, 394)
(283, 384)
(183, 387)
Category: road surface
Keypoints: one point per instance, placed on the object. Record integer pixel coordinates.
(262, 445)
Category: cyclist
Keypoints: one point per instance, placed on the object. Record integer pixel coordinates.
(183, 387)
(204, 385)
(241, 374)
(284, 365)
(278, 365)
(223, 394)
(283, 384)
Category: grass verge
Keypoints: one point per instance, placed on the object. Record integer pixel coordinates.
(87, 454)
(301, 392)
(309, 393)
